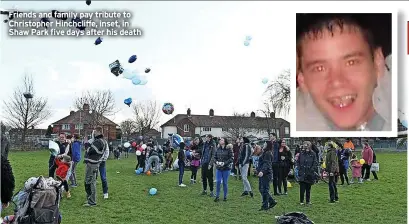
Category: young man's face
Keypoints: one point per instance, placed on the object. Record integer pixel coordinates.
(340, 74)
(62, 138)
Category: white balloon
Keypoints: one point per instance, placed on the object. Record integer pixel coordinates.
(144, 146)
(138, 153)
(127, 145)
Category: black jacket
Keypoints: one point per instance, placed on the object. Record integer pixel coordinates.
(245, 154)
(181, 155)
(307, 164)
(95, 151)
(225, 156)
(265, 163)
(5, 146)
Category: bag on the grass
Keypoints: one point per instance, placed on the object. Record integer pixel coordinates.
(38, 202)
(293, 218)
(375, 167)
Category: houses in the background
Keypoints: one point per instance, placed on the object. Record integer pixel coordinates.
(190, 125)
(80, 121)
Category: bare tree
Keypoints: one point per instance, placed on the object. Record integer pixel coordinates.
(235, 127)
(147, 115)
(128, 127)
(279, 93)
(101, 104)
(21, 112)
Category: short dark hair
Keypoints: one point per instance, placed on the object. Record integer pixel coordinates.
(7, 181)
(273, 133)
(62, 133)
(246, 140)
(312, 25)
(209, 136)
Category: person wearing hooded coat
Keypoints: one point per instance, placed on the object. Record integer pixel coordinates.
(265, 175)
(307, 164)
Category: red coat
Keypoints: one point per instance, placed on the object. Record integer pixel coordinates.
(62, 169)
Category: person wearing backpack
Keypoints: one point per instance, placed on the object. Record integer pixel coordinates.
(96, 148)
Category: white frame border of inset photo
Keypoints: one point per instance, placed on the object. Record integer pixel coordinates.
(395, 72)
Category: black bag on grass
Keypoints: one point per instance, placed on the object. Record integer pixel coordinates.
(294, 218)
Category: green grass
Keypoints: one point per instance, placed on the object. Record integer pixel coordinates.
(383, 201)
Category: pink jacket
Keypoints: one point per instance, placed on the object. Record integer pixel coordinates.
(356, 168)
(367, 155)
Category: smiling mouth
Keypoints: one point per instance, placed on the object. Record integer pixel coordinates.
(342, 101)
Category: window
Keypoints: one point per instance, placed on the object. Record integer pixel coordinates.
(66, 127)
(287, 130)
(224, 129)
(186, 128)
(79, 126)
(207, 129)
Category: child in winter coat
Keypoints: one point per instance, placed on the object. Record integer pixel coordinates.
(63, 163)
(356, 169)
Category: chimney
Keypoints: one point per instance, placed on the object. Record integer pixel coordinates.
(253, 115)
(211, 112)
(272, 115)
(72, 112)
(188, 112)
(85, 107)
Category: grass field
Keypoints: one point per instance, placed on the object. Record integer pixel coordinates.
(382, 201)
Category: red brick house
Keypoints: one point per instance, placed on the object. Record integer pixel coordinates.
(80, 122)
(190, 125)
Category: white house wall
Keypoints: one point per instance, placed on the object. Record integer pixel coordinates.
(168, 130)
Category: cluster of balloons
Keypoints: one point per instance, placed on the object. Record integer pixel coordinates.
(168, 108)
(153, 191)
(247, 41)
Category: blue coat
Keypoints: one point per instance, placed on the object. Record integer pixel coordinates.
(76, 151)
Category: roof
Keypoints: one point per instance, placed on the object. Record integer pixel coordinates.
(227, 121)
(81, 116)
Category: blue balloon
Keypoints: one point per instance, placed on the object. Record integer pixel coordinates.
(405, 123)
(143, 82)
(98, 41)
(137, 171)
(132, 59)
(128, 74)
(248, 38)
(136, 81)
(140, 170)
(153, 191)
(246, 43)
(265, 81)
(128, 101)
(177, 139)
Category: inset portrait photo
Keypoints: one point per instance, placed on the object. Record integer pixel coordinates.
(344, 79)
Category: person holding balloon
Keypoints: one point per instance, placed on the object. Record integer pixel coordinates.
(138, 153)
(223, 159)
(332, 168)
(367, 155)
(356, 169)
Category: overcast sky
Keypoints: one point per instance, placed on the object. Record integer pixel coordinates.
(195, 51)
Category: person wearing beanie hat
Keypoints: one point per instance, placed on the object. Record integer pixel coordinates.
(181, 163)
(244, 163)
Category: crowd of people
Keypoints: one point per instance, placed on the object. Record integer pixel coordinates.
(273, 162)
